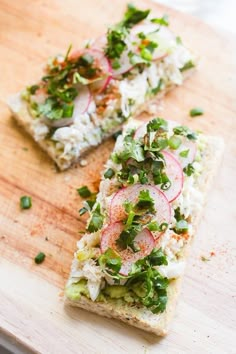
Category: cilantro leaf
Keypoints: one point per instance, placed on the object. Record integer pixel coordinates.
(163, 21)
(111, 260)
(133, 16)
(96, 221)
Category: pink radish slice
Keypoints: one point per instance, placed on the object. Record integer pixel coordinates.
(144, 28)
(100, 62)
(188, 145)
(175, 174)
(81, 104)
(82, 101)
(125, 64)
(141, 131)
(144, 240)
(131, 193)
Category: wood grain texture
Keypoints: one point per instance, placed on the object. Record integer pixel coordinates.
(31, 309)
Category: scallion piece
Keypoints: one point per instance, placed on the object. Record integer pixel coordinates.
(39, 258)
(109, 173)
(174, 142)
(84, 192)
(196, 111)
(25, 202)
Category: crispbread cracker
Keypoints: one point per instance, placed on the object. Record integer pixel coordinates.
(141, 317)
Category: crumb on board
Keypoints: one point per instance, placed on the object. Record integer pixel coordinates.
(83, 162)
(207, 258)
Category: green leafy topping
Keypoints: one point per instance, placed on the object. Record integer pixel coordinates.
(96, 221)
(174, 142)
(189, 169)
(32, 89)
(163, 21)
(82, 211)
(144, 285)
(25, 202)
(39, 258)
(185, 131)
(197, 111)
(157, 124)
(138, 215)
(116, 44)
(110, 260)
(109, 173)
(184, 153)
(84, 192)
(188, 65)
(133, 16)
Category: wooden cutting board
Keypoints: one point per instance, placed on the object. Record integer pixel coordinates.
(31, 306)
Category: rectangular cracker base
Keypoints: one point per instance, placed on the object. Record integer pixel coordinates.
(142, 317)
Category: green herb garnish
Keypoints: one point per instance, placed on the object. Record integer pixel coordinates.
(184, 153)
(111, 260)
(25, 202)
(163, 21)
(109, 173)
(188, 65)
(197, 111)
(96, 221)
(84, 192)
(185, 131)
(39, 258)
(174, 142)
(189, 169)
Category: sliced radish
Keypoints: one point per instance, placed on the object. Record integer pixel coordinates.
(131, 193)
(99, 83)
(174, 172)
(145, 29)
(158, 34)
(82, 101)
(144, 240)
(125, 64)
(189, 146)
(81, 104)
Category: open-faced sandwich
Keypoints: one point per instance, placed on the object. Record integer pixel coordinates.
(129, 263)
(86, 95)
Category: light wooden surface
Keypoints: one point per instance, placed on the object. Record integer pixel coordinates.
(31, 308)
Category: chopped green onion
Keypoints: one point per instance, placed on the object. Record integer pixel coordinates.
(196, 111)
(25, 202)
(189, 169)
(184, 153)
(174, 142)
(82, 211)
(109, 173)
(181, 226)
(84, 192)
(39, 258)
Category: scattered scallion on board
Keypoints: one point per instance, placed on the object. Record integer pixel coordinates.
(84, 192)
(196, 111)
(39, 258)
(25, 202)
